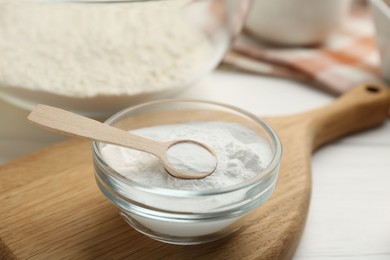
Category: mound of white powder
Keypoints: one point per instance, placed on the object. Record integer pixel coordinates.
(241, 155)
(85, 50)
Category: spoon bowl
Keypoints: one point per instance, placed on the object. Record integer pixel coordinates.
(179, 163)
(196, 160)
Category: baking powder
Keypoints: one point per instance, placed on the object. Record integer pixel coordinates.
(191, 158)
(241, 154)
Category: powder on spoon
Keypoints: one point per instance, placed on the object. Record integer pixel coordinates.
(187, 157)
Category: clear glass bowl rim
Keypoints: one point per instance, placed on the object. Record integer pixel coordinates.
(271, 169)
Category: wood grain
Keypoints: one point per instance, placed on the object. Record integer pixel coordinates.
(51, 207)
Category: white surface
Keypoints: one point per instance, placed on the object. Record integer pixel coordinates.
(349, 218)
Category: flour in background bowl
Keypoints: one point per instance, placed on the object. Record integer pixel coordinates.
(85, 50)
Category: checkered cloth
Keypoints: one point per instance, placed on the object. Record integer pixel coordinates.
(348, 57)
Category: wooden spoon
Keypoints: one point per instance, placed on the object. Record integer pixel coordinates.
(68, 123)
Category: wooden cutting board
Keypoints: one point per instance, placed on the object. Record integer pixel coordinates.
(51, 208)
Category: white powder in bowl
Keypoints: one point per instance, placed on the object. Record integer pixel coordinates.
(85, 50)
(241, 155)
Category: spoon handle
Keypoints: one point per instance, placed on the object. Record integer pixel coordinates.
(68, 123)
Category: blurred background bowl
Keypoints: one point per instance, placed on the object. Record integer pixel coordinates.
(97, 57)
(295, 22)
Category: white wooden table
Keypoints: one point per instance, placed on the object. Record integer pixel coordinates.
(349, 217)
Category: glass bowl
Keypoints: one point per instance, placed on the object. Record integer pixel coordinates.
(182, 216)
(97, 57)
